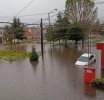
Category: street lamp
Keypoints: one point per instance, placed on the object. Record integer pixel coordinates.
(49, 22)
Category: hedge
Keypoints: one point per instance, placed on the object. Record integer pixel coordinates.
(98, 82)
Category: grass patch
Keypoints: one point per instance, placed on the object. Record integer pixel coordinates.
(13, 43)
(12, 55)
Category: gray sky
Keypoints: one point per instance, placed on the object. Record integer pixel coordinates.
(13, 7)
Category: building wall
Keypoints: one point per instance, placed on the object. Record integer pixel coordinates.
(1, 34)
(35, 33)
(45, 31)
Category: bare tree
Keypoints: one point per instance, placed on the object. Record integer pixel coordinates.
(82, 12)
(96, 27)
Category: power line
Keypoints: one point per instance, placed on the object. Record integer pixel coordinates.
(22, 10)
(40, 14)
(36, 23)
(99, 2)
(54, 28)
(6, 22)
(46, 18)
(33, 14)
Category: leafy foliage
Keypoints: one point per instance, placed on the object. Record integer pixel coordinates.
(59, 30)
(34, 55)
(8, 37)
(75, 32)
(61, 25)
(102, 29)
(98, 82)
(15, 28)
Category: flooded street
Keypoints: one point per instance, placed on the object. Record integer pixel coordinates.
(54, 78)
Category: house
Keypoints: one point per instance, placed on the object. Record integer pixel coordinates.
(1, 34)
(32, 32)
(35, 32)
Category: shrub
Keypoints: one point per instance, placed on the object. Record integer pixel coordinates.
(34, 55)
(98, 82)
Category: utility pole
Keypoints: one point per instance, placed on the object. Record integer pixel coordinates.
(49, 24)
(49, 28)
(41, 25)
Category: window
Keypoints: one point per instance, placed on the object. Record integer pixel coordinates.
(91, 57)
(83, 59)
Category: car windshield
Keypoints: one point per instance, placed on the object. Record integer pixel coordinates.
(83, 59)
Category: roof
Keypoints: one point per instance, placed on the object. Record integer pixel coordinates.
(86, 54)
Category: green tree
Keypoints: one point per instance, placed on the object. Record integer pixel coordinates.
(60, 27)
(102, 29)
(8, 29)
(61, 23)
(76, 33)
(82, 12)
(8, 37)
(15, 28)
(34, 55)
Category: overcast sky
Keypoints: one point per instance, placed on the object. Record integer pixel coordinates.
(10, 8)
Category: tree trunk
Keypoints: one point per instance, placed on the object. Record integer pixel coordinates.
(65, 42)
(18, 40)
(53, 42)
(82, 42)
(59, 41)
(14, 40)
(76, 42)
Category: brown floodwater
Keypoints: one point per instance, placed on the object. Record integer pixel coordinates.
(54, 78)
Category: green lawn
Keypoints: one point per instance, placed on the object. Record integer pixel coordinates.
(12, 55)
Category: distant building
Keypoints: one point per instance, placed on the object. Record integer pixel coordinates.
(35, 32)
(1, 34)
(32, 32)
(45, 31)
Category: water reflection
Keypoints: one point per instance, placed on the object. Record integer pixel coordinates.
(102, 73)
(67, 53)
(89, 91)
(34, 64)
(16, 47)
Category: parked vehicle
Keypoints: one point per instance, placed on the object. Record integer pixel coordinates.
(86, 59)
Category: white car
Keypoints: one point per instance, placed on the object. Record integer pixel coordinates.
(85, 59)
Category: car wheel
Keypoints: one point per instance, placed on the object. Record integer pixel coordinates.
(94, 60)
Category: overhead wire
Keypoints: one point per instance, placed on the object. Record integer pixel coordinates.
(32, 14)
(43, 19)
(21, 10)
(35, 23)
(98, 2)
